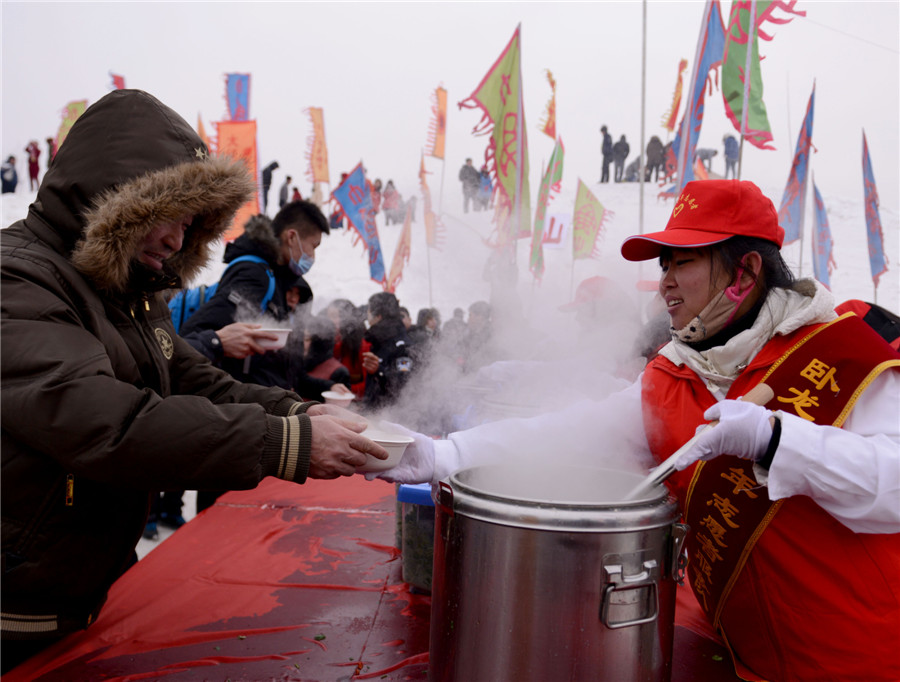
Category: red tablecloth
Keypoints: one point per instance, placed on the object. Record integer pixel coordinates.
(285, 582)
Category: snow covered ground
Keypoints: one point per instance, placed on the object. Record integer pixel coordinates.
(454, 276)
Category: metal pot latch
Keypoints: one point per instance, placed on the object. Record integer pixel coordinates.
(634, 597)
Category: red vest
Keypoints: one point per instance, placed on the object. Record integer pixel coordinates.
(814, 600)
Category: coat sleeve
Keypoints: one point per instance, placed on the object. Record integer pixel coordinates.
(607, 433)
(82, 402)
(853, 472)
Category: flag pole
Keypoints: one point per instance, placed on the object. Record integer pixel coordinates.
(643, 123)
(519, 154)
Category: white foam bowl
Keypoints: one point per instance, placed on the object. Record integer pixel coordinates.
(395, 443)
(276, 344)
(339, 399)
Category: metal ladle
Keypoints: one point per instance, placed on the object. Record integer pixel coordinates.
(758, 395)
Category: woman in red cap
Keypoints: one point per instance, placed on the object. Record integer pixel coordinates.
(794, 507)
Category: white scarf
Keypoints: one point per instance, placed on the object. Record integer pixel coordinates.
(783, 311)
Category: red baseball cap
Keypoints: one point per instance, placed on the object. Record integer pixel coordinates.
(591, 289)
(708, 212)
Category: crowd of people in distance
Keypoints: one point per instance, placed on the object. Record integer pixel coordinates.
(659, 159)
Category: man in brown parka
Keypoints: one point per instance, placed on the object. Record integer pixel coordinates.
(101, 401)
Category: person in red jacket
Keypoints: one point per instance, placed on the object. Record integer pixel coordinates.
(34, 153)
(793, 506)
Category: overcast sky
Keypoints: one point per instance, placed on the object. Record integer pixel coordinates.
(373, 66)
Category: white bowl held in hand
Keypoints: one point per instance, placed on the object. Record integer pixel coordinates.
(339, 399)
(395, 443)
(276, 344)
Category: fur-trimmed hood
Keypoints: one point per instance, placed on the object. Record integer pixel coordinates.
(128, 163)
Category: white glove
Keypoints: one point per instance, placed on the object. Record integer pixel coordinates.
(743, 430)
(417, 463)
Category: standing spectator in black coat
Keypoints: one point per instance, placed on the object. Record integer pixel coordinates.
(267, 183)
(388, 362)
(607, 150)
(620, 153)
(471, 181)
(284, 192)
(8, 175)
(655, 159)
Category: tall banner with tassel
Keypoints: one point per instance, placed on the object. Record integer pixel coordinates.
(670, 118)
(401, 254)
(317, 153)
(877, 258)
(742, 88)
(793, 201)
(548, 123)
(499, 96)
(237, 140)
(237, 94)
(587, 223)
(355, 199)
(549, 184)
(437, 127)
(70, 114)
(823, 244)
(710, 46)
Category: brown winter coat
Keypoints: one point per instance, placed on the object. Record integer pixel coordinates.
(101, 401)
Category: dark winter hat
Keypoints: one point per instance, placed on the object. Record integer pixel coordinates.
(708, 212)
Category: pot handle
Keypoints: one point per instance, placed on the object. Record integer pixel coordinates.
(445, 498)
(620, 582)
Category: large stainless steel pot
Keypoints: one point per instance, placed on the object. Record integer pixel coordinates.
(547, 577)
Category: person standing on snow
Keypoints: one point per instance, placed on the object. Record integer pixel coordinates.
(471, 181)
(102, 402)
(732, 151)
(9, 176)
(34, 169)
(606, 149)
(620, 153)
(284, 192)
(267, 183)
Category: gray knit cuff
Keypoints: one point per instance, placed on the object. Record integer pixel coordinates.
(287, 447)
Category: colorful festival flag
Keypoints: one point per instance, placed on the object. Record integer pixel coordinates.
(823, 245)
(549, 184)
(237, 92)
(356, 201)
(587, 223)
(401, 254)
(237, 140)
(70, 114)
(201, 131)
(499, 96)
(434, 229)
(877, 258)
(671, 116)
(793, 201)
(548, 123)
(437, 128)
(710, 46)
(316, 149)
(118, 82)
(742, 88)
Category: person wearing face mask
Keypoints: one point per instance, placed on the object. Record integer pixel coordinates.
(225, 328)
(793, 506)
